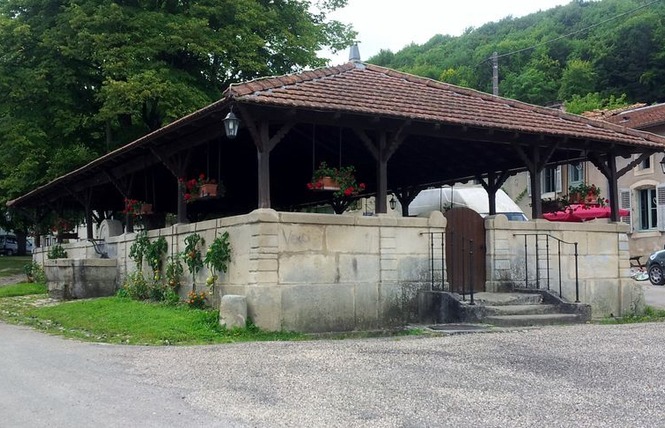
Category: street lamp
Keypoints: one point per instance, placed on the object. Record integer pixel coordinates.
(231, 124)
(393, 202)
(662, 164)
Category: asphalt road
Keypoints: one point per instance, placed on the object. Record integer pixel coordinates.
(581, 376)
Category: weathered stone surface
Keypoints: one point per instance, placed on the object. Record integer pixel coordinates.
(81, 278)
(233, 311)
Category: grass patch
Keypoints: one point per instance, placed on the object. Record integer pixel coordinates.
(120, 320)
(13, 265)
(22, 289)
(649, 315)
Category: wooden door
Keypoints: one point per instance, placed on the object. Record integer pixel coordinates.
(465, 250)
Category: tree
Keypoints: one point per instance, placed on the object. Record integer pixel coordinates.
(578, 78)
(80, 78)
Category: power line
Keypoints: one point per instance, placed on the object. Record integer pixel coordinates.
(495, 57)
(577, 31)
(571, 33)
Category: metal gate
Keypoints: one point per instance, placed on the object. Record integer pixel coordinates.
(465, 250)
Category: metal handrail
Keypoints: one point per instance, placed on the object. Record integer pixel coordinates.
(432, 258)
(559, 243)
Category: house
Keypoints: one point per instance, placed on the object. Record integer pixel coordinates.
(321, 272)
(642, 187)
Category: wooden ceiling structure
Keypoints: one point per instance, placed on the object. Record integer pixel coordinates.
(401, 132)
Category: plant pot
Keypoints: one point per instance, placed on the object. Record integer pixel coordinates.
(327, 183)
(145, 209)
(208, 190)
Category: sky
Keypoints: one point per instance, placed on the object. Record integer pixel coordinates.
(394, 24)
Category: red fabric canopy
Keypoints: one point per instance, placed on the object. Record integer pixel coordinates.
(580, 212)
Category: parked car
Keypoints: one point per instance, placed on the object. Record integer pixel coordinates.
(656, 267)
(8, 245)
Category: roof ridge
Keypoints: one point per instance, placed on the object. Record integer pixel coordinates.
(273, 82)
(508, 101)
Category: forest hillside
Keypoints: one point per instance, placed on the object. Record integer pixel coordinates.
(588, 54)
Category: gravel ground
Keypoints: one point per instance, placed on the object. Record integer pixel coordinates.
(582, 376)
(573, 376)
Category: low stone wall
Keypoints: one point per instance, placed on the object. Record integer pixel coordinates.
(81, 278)
(307, 272)
(603, 264)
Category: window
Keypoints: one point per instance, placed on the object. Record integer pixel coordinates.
(648, 209)
(550, 180)
(646, 163)
(575, 174)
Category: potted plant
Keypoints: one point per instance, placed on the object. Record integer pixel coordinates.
(136, 207)
(585, 194)
(200, 187)
(341, 181)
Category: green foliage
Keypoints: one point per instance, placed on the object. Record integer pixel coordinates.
(35, 272)
(78, 79)
(23, 289)
(136, 286)
(218, 255)
(174, 271)
(552, 55)
(196, 300)
(56, 252)
(154, 253)
(192, 255)
(648, 315)
(578, 78)
(139, 248)
(121, 320)
(594, 101)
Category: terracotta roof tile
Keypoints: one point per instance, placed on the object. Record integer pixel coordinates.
(373, 90)
(638, 118)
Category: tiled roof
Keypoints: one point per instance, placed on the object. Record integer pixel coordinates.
(638, 118)
(376, 91)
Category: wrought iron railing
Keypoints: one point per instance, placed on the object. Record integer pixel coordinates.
(438, 263)
(437, 260)
(537, 239)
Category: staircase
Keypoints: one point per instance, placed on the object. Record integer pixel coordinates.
(518, 308)
(522, 310)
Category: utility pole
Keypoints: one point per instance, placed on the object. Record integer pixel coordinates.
(495, 74)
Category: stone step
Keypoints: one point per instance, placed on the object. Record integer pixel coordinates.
(531, 320)
(503, 299)
(521, 309)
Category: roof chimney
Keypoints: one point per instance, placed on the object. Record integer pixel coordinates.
(354, 53)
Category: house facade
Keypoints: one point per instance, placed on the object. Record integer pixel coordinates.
(642, 187)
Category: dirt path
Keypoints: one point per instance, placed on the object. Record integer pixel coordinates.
(12, 279)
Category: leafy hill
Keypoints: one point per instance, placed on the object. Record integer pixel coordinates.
(604, 48)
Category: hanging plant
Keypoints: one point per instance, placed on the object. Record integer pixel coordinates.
(342, 181)
(200, 187)
(192, 255)
(217, 258)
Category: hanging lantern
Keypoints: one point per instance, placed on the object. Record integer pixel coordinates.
(231, 125)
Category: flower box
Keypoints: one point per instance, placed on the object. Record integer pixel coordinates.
(326, 183)
(145, 209)
(208, 190)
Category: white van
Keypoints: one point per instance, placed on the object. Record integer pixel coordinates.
(473, 197)
(8, 245)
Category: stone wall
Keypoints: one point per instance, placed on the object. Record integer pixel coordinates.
(308, 272)
(603, 264)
